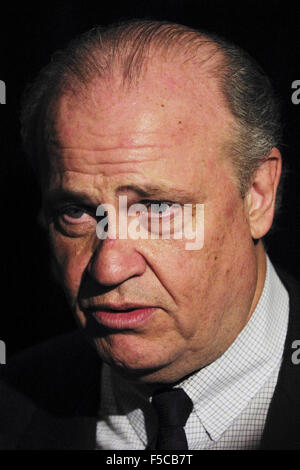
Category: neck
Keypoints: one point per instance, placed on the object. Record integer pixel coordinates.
(261, 275)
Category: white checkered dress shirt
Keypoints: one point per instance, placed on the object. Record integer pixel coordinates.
(231, 396)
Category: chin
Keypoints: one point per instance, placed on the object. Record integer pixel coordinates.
(143, 370)
(144, 367)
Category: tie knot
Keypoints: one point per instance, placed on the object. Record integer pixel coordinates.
(173, 406)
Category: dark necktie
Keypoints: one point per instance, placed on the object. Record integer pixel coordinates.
(173, 407)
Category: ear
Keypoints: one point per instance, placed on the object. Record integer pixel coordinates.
(260, 199)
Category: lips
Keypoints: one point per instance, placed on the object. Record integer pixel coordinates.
(124, 316)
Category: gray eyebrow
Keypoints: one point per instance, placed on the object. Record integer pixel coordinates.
(150, 190)
(144, 190)
(57, 195)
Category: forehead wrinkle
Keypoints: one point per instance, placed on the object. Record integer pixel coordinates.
(94, 168)
(72, 138)
(90, 161)
(118, 147)
(135, 140)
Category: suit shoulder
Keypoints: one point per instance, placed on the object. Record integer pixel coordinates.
(51, 370)
(46, 384)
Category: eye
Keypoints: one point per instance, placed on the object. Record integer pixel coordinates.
(75, 215)
(74, 212)
(162, 218)
(159, 208)
(74, 221)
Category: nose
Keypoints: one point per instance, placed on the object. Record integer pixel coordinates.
(115, 261)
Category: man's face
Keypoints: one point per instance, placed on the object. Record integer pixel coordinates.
(162, 141)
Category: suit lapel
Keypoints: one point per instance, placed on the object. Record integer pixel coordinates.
(283, 420)
(71, 423)
(57, 433)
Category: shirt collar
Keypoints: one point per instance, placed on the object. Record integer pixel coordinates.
(223, 389)
(234, 378)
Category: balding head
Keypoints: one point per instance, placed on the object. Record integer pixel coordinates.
(121, 55)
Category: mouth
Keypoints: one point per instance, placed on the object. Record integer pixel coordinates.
(120, 317)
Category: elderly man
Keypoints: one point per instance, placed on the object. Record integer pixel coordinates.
(184, 348)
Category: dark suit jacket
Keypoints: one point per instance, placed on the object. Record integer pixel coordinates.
(49, 395)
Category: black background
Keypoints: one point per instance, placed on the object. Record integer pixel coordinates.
(32, 307)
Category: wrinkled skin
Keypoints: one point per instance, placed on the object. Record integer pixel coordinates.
(169, 133)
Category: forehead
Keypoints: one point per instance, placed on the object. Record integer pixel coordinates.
(169, 129)
(169, 101)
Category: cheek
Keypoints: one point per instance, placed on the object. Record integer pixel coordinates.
(227, 230)
(229, 254)
(70, 259)
(200, 280)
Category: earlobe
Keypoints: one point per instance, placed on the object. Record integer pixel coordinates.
(262, 194)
